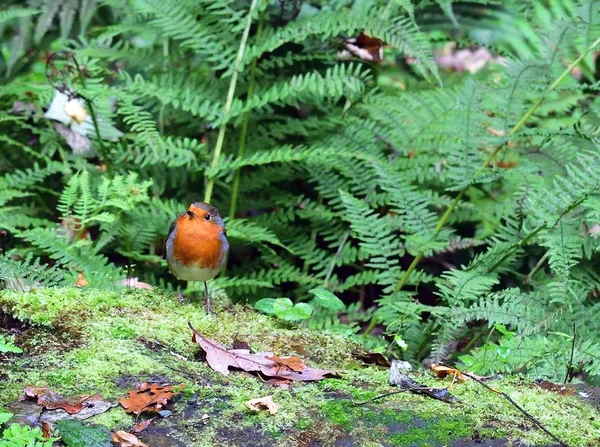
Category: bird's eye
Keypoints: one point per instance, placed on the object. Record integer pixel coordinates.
(207, 217)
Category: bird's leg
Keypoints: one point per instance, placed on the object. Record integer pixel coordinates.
(179, 295)
(208, 304)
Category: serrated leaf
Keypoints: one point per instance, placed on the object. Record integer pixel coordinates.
(77, 434)
(327, 299)
(5, 416)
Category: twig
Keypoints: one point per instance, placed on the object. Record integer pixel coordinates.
(518, 407)
(569, 374)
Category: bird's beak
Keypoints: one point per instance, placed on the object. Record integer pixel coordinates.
(191, 214)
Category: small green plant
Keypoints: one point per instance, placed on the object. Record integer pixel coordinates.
(7, 345)
(5, 416)
(284, 309)
(22, 436)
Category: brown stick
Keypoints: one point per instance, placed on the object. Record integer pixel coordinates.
(518, 407)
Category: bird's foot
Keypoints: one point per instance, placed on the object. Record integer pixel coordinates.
(208, 306)
(180, 297)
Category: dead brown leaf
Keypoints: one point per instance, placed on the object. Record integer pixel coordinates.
(141, 426)
(262, 403)
(372, 358)
(46, 430)
(81, 281)
(151, 398)
(125, 439)
(51, 400)
(443, 371)
(365, 47)
(292, 362)
(220, 359)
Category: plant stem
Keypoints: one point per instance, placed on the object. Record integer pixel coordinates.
(444, 219)
(244, 132)
(227, 109)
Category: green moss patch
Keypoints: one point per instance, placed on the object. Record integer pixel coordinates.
(88, 341)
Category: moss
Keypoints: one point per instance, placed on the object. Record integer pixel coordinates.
(96, 341)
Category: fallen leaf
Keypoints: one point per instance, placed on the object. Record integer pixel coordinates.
(220, 359)
(134, 283)
(125, 439)
(46, 430)
(81, 281)
(51, 400)
(92, 408)
(240, 344)
(262, 403)
(141, 426)
(25, 412)
(79, 144)
(292, 362)
(372, 358)
(150, 398)
(401, 380)
(443, 371)
(365, 47)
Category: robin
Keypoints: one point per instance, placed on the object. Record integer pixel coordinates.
(196, 247)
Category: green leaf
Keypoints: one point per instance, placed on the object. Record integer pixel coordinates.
(300, 311)
(76, 434)
(327, 299)
(7, 346)
(5, 416)
(284, 309)
(266, 305)
(282, 305)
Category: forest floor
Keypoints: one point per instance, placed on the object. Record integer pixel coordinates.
(78, 341)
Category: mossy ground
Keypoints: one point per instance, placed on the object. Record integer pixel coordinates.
(86, 341)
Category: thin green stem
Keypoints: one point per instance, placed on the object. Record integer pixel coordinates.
(161, 112)
(244, 132)
(444, 219)
(227, 109)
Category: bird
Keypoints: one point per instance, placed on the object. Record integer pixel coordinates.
(196, 247)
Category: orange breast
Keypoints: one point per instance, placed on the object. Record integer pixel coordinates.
(198, 243)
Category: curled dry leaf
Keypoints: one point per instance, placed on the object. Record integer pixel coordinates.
(51, 400)
(46, 430)
(364, 47)
(220, 359)
(443, 371)
(125, 439)
(151, 398)
(292, 362)
(262, 403)
(81, 281)
(141, 426)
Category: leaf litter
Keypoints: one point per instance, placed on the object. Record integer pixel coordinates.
(263, 403)
(51, 400)
(149, 398)
(265, 364)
